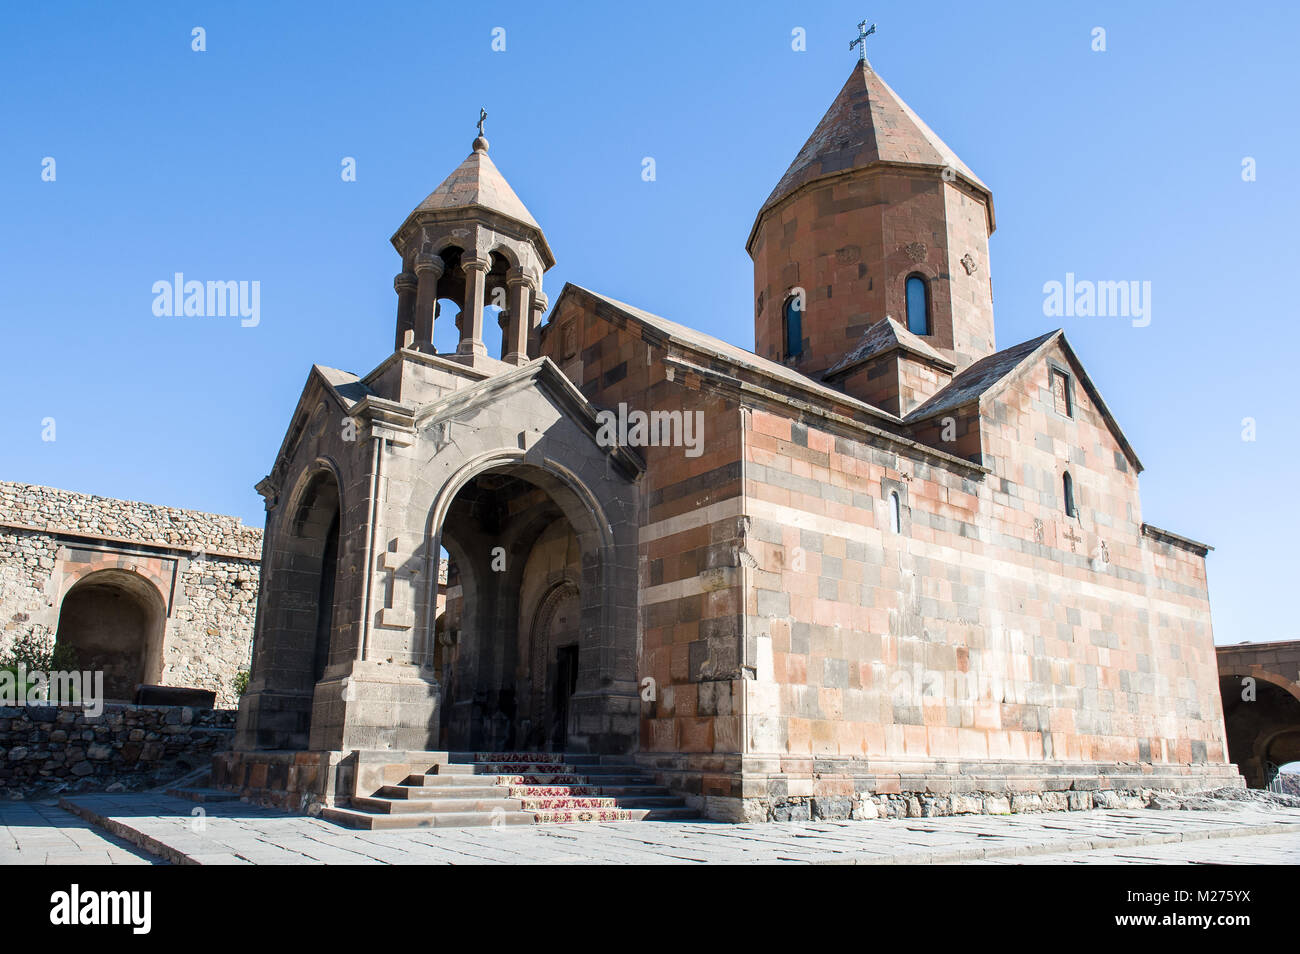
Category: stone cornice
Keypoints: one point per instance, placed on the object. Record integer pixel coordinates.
(188, 550)
(1184, 543)
(879, 167)
(387, 419)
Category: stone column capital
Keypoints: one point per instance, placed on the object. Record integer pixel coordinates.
(517, 276)
(426, 262)
(474, 263)
(404, 281)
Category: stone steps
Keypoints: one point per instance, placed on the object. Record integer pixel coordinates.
(473, 789)
(197, 794)
(434, 806)
(439, 791)
(376, 821)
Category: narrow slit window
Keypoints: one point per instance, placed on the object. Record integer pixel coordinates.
(1067, 483)
(918, 306)
(895, 512)
(793, 327)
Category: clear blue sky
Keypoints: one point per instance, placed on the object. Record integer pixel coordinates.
(225, 165)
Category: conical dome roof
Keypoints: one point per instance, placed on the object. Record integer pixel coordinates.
(477, 182)
(868, 123)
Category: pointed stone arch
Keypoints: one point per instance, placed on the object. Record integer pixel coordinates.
(607, 656)
(297, 618)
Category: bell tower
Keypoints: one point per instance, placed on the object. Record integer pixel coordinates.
(875, 218)
(472, 242)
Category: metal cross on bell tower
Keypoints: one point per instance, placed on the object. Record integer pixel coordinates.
(861, 41)
(482, 116)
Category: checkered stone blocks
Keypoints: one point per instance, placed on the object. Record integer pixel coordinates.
(990, 627)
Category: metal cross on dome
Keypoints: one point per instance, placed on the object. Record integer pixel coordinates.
(863, 33)
(482, 115)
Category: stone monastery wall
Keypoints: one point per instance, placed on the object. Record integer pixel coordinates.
(193, 575)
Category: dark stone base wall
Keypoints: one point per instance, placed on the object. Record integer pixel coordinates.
(307, 781)
(56, 748)
(756, 789)
(292, 781)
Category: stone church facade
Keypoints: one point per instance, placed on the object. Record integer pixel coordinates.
(897, 561)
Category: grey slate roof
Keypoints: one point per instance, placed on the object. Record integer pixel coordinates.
(988, 375)
(972, 383)
(882, 337)
(345, 384)
(727, 352)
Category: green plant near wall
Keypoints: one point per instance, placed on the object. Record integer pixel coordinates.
(35, 654)
(241, 682)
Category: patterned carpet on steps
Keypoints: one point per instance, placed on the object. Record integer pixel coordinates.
(584, 815)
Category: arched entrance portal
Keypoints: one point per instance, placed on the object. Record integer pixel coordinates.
(113, 622)
(525, 651)
(1262, 719)
(298, 616)
(552, 675)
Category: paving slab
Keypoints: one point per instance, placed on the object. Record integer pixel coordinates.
(238, 833)
(42, 833)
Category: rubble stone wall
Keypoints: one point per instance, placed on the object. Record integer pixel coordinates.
(125, 746)
(200, 569)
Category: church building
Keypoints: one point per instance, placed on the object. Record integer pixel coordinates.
(879, 564)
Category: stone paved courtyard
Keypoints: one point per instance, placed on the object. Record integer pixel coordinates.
(234, 833)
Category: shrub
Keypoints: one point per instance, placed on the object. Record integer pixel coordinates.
(34, 652)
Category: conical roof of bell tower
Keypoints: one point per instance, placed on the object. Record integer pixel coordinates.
(477, 182)
(867, 124)
(476, 185)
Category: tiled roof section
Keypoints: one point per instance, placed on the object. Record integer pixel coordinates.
(867, 123)
(972, 383)
(988, 373)
(477, 182)
(727, 352)
(884, 336)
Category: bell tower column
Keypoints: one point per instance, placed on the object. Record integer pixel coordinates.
(404, 284)
(520, 320)
(470, 237)
(471, 332)
(537, 308)
(428, 269)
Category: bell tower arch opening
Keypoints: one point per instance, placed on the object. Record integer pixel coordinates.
(471, 242)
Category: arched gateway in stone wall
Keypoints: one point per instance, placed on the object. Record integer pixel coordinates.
(145, 594)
